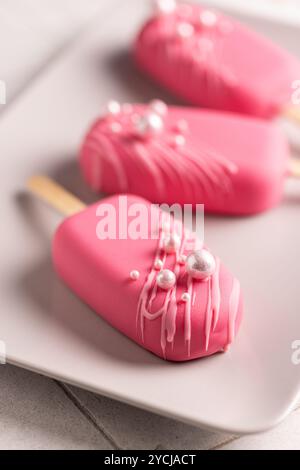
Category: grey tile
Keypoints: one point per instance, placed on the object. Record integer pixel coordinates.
(132, 428)
(35, 413)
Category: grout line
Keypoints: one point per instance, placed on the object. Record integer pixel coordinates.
(159, 446)
(86, 412)
(228, 441)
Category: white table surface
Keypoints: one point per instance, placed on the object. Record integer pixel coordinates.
(40, 413)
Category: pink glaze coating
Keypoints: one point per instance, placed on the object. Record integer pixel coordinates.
(233, 164)
(223, 66)
(99, 273)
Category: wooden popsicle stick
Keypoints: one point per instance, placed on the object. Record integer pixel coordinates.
(294, 167)
(292, 113)
(55, 195)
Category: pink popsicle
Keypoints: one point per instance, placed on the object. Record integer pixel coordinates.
(170, 313)
(211, 60)
(232, 164)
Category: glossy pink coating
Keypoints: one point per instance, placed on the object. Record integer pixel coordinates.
(211, 60)
(233, 164)
(99, 273)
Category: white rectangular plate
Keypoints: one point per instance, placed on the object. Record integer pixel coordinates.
(281, 11)
(48, 330)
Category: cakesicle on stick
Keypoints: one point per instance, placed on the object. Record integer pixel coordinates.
(166, 292)
(233, 164)
(211, 60)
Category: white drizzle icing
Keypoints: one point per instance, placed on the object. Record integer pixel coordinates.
(198, 56)
(157, 157)
(168, 310)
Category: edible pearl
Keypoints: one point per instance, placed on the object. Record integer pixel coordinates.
(179, 140)
(200, 264)
(134, 275)
(159, 107)
(158, 264)
(208, 18)
(166, 6)
(185, 30)
(186, 297)
(166, 279)
(149, 124)
(113, 107)
(171, 243)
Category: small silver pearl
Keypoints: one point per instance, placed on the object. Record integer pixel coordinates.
(179, 140)
(159, 107)
(208, 18)
(158, 264)
(200, 264)
(149, 124)
(165, 6)
(186, 297)
(166, 279)
(171, 243)
(113, 107)
(134, 275)
(185, 30)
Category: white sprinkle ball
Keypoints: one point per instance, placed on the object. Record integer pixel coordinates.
(113, 107)
(186, 297)
(134, 275)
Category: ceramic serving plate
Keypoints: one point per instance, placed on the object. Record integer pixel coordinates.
(281, 11)
(48, 330)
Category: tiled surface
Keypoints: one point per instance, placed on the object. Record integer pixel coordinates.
(36, 412)
(131, 428)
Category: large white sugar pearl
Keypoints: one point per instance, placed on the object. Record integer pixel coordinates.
(165, 6)
(166, 279)
(200, 264)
